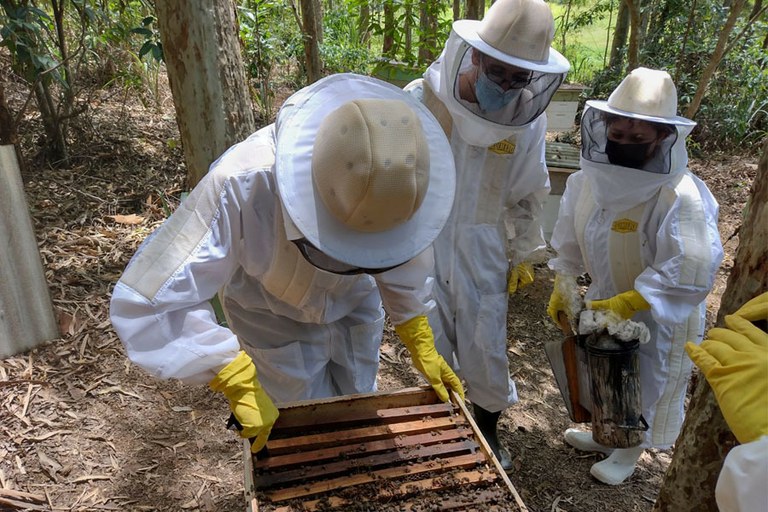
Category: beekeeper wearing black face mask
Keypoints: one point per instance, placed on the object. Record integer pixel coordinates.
(645, 229)
(489, 89)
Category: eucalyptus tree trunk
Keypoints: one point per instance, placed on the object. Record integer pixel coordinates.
(620, 35)
(312, 26)
(633, 6)
(717, 57)
(428, 31)
(9, 135)
(474, 9)
(388, 44)
(705, 439)
(207, 78)
(363, 23)
(408, 29)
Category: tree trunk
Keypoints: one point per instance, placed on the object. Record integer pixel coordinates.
(9, 136)
(564, 26)
(620, 34)
(684, 44)
(717, 56)
(705, 439)
(207, 78)
(388, 44)
(363, 23)
(408, 29)
(633, 6)
(428, 31)
(8, 133)
(474, 9)
(456, 10)
(312, 26)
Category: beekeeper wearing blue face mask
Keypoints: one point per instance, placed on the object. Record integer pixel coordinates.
(645, 229)
(304, 230)
(489, 89)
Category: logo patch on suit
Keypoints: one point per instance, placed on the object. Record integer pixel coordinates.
(624, 226)
(503, 147)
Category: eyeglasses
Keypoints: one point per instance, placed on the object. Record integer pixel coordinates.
(324, 262)
(500, 74)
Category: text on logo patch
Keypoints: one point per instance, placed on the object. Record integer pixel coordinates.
(624, 226)
(503, 147)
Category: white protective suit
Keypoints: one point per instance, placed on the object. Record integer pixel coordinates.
(502, 182)
(742, 483)
(657, 233)
(310, 333)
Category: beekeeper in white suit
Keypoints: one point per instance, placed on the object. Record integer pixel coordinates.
(645, 229)
(303, 230)
(489, 89)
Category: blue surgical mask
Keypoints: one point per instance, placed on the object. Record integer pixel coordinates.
(490, 96)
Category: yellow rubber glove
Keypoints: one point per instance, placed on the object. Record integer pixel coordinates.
(417, 336)
(519, 277)
(247, 399)
(625, 304)
(556, 302)
(734, 361)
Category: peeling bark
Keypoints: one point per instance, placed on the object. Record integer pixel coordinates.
(705, 439)
(207, 79)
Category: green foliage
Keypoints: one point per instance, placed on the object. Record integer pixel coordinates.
(117, 42)
(681, 39)
(152, 44)
(24, 32)
(341, 50)
(272, 42)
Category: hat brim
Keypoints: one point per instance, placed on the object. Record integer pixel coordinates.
(293, 166)
(467, 30)
(605, 107)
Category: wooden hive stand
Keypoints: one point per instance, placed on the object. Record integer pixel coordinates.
(396, 451)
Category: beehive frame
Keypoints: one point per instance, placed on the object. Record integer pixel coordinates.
(390, 450)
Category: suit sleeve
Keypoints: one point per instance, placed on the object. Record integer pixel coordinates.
(742, 485)
(522, 219)
(160, 307)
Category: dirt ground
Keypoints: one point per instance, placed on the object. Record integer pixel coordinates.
(81, 428)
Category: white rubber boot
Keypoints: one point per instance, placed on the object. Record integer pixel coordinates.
(618, 466)
(583, 441)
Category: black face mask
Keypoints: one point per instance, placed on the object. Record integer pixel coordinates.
(627, 155)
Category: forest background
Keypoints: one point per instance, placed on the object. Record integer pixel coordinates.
(62, 51)
(85, 102)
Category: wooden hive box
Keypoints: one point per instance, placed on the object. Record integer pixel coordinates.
(396, 451)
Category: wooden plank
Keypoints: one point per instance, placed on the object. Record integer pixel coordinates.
(364, 478)
(489, 453)
(327, 439)
(249, 488)
(300, 414)
(561, 154)
(396, 443)
(403, 490)
(307, 473)
(344, 417)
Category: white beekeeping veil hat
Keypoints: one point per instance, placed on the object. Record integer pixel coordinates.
(518, 32)
(364, 171)
(645, 94)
